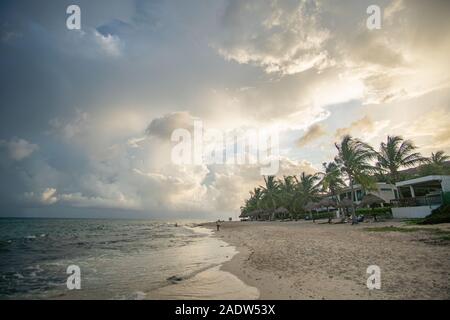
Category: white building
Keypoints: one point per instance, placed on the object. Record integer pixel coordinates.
(418, 197)
(385, 191)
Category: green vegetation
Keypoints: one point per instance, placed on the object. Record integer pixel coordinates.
(397, 153)
(332, 180)
(384, 212)
(439, 215)
(291, 194)
(437, 164)
(353, 159)
(299, 197)
(446, 197)
(444, 238)
(415, 221)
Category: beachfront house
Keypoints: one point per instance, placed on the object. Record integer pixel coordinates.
(418, 197)
(385, 191)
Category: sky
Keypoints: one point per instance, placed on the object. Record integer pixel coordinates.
(86, 115)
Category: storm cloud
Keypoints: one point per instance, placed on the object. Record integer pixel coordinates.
(86, 115)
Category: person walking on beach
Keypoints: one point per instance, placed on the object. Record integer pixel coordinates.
(218, 224)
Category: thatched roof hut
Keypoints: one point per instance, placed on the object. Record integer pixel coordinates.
(311, 206)
(255, 213)
(281, 210)
(345, 203)
(327, 202)
(265, 214)
(370, 199)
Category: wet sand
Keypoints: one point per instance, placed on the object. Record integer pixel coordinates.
(303, 260)
(209, 283)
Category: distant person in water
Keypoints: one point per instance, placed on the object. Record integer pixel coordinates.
(218, 224)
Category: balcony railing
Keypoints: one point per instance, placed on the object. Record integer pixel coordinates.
(418, 201)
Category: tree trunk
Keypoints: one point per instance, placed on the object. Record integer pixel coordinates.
(354, 220)
(273, 208)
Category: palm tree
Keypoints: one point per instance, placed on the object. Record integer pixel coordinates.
(436, 164)
(332, 181)
(287, 192)
(439, 158)
(353, 160)
(307, 188)
(253, 203)
(255, 198)
(270, 192)
(396, 153)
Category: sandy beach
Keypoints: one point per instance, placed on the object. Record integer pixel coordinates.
(303, 260)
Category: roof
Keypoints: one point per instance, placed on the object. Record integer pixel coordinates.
(358, 186)
(421, 180)
(370, 199)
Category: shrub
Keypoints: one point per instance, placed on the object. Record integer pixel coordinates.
(438, 215)
(323, 215)
(384, 212)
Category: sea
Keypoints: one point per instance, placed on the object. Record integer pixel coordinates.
(116, 259)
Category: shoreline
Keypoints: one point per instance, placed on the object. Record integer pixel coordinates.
(211, 282)
(270, 288)
(302, 260)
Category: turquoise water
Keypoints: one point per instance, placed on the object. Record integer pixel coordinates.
(118, 259)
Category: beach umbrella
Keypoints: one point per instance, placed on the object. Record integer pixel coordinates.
(266, 214)
(310, 206)
(370, 199)
(345, 203)
(327, 202)
(255, 213)
(281, 210)
(244, 214)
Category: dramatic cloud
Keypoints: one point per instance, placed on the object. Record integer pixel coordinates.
(286, 37)
(443, 138)
(402, 60)
(47, 197)
(364, 124)
(110, 44)
(94, 108)
(313, 133)
(69, 129)
(230, 184)
(18, 149)
(164, 126)
(281, 36)
(431, 129)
